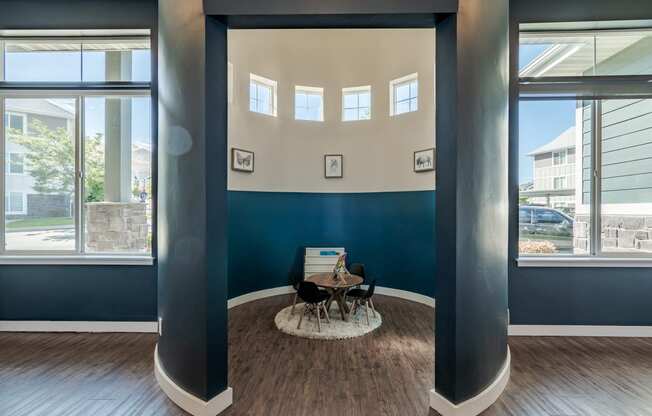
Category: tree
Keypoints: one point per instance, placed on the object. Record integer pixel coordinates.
(94, 169)
(50, 160)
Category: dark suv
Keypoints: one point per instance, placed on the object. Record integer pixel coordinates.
(541, 223)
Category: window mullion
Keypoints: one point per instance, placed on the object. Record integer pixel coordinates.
(596, 187)
(79, 175)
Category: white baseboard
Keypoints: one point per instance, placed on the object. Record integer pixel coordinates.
(404, 294)
(260, 294)
(189, 402)
(78, 326)
(579, 331)
(285, 290)
(477, 404)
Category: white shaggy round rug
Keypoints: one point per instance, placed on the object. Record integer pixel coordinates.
(336, 329)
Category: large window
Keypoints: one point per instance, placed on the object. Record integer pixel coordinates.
(356, 103)
(77, 146)
(404, 95)
(308, 103)
(585, 143)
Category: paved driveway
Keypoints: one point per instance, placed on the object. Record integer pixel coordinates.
(42, 240)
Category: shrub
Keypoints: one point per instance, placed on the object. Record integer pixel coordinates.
(536, 247)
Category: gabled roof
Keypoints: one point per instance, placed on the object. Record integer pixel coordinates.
(566, 140)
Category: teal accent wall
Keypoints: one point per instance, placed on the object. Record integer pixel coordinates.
(392, 233)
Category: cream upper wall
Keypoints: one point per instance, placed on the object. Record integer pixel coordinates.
(289, 154)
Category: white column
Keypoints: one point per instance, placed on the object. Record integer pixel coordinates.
(117, 157)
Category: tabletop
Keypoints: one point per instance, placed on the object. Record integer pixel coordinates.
(328, 281)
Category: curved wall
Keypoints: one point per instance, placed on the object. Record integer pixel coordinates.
(381, 211)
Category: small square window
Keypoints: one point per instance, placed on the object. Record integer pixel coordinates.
(559, 158)
(16, 122)
(262, 95)
(309, 103)
(356, 103)
(404, 95)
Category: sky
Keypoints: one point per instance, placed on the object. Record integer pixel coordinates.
(540, 122)
(67, 67)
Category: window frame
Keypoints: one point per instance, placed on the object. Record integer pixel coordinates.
(318, 91)
(397, 83)
(23, 198)
(262, 82)
(76, 91)
(10, 163)
(563, 182)
(593, 88)
(366, 89)
(563, 157)
(14, 114)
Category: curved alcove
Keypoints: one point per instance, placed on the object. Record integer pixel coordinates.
(381, 211)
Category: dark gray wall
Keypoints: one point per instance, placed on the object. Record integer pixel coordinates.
(570, 296)
(192, 199)
(86, 293)
(472, 149)
(77, 14)
(337, 7)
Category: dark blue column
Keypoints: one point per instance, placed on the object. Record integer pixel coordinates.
(471, 206)
(192, 199)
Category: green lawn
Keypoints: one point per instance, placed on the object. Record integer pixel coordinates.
(39, 222)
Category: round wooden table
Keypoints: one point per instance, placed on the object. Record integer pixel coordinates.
(337, 287)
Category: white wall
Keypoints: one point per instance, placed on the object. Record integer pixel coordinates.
(289, 154)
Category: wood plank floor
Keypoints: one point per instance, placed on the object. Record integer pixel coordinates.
(388, 372)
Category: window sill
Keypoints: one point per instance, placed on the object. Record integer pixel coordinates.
(94, 260)
(534, 261)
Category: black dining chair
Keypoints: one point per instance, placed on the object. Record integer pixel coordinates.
(358, 270)
(314, 302)
(295, 284)
(362, 297)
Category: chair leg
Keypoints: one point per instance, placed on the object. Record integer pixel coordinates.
(301, 317)
(294, 303)
(318, 320)
(353, 307)
(328, 318)
(373, 308)
(366, 308)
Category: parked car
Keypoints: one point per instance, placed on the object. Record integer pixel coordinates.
(546, 224)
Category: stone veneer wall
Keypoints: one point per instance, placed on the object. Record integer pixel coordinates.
(624, 232)
(116, 226)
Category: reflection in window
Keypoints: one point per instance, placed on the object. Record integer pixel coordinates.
(404, 95)
(356, 103)
(309, 103)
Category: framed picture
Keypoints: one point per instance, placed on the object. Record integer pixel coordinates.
(424, 160)
(242, 160)
(333, 166)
